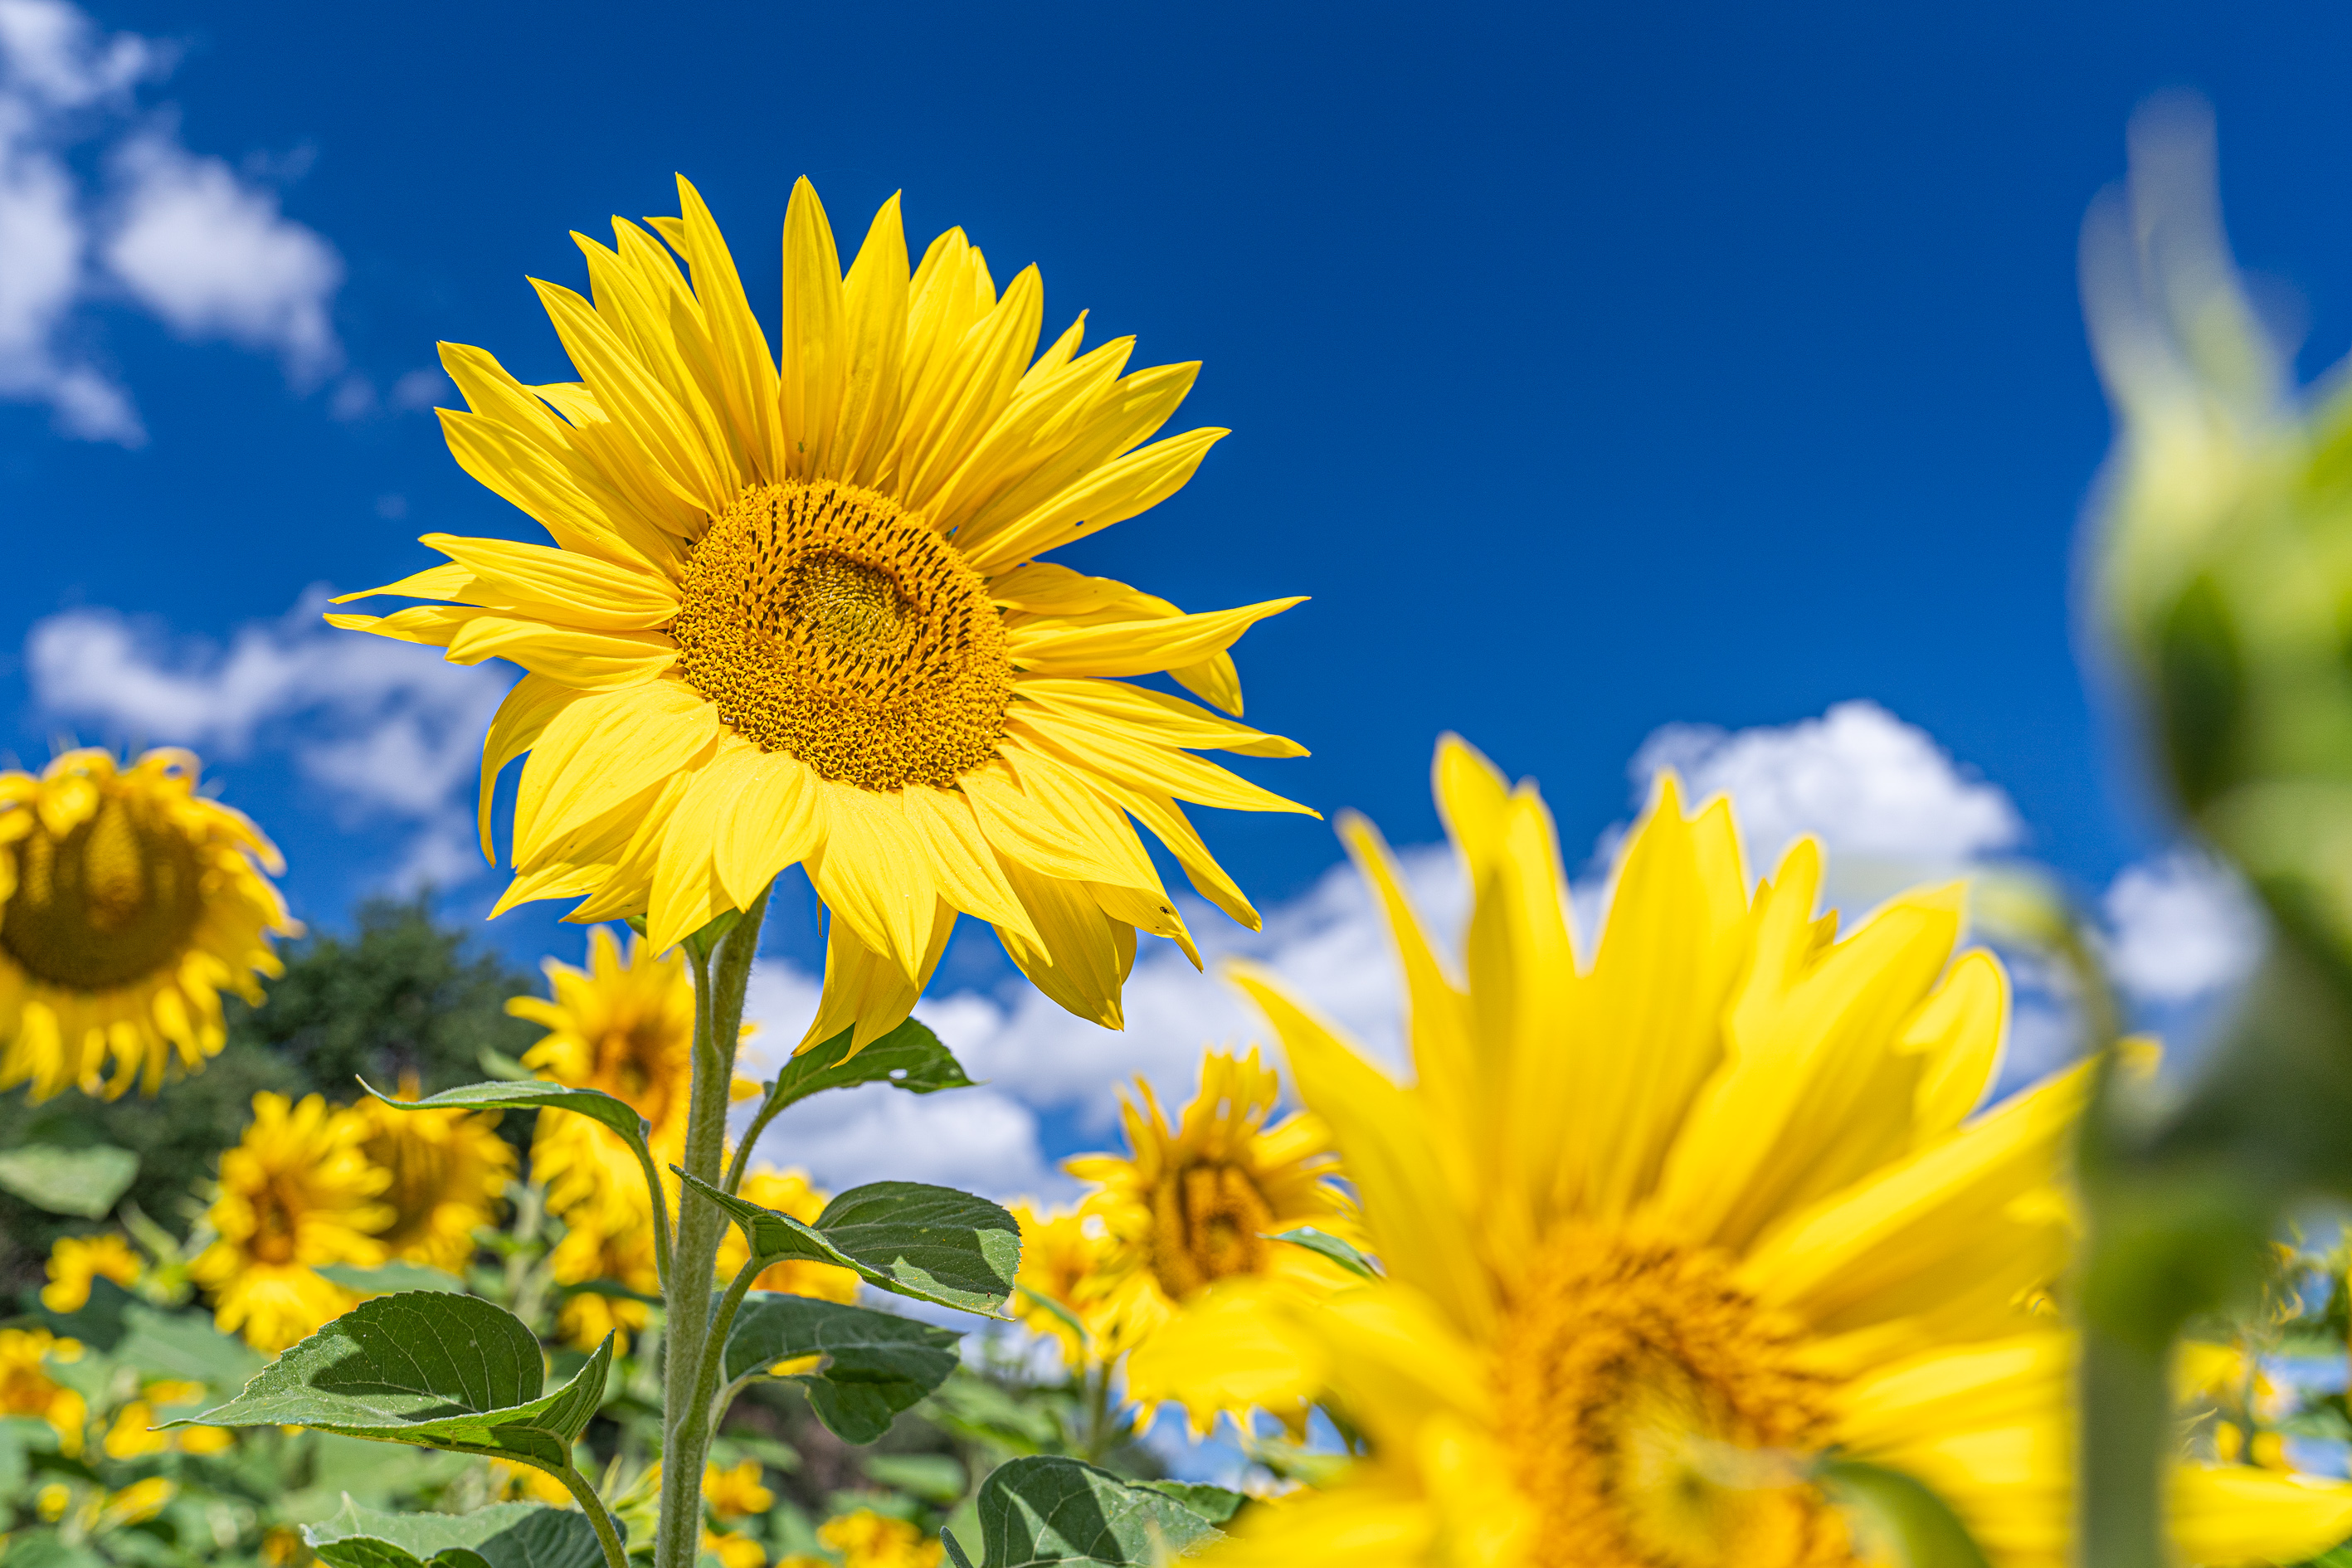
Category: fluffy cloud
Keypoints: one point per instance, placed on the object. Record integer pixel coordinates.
(388, 728)
(2181, 927)
(180, 235)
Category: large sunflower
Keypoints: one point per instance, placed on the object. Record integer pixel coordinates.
(1658, 1233)
(128, 904)
(1197, 1204)
(794, 614)
(295, 1193)
(448, 1170)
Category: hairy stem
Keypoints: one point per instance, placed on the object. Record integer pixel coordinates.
(615, 1556)
(714, 1349)
(721, 970)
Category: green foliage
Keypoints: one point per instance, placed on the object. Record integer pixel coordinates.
(1042, 1510)
(933, 1244)
(505, 1535)
(1909, 1524)
(83, 1182)
(875, 1364)
(450, 1372)
(1332, 1248)
(909, 1056)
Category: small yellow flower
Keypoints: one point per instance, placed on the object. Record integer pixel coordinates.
(76, 1260)
(129, 1437)
(869, 1540)
(734, 1550)
(786, 1192)
(203, 1440)
(448, 1169)
(528, 1483)
(136, 1503)
(295, 1193)
(50, 1501)
(281, 1545)
(27, 1389)
(1067, 1260)
(736, 1493)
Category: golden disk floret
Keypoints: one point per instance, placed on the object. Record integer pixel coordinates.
(1654, 1412)
(823, 621)
(111, 901)
(1208, 1223)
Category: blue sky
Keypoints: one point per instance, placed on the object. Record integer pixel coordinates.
(1595, 369)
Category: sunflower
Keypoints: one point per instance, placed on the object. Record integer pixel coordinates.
(1658, 1233)
(1199, 1203)
(1066, 1273)
(448, 1169)
(621, 1251)
(128, 904)
(786, 1192)
(794, 614)
(76, 1260)
(296, 1192)
(27, 1389)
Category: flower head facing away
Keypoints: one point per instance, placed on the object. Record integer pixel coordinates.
(128, 904)
(794, 613)
(1660, 1230)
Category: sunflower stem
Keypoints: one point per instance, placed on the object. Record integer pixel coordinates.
(607, 1537)
(721, 971)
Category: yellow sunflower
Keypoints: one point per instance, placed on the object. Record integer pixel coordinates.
(296, 1192)
(793, 614)
(622, 1253)
(128, 904)
(448, 1170)
(786, 1192)
(76, 1260)
(1658, 1232)
(1196, 1204)
(1069, 1259)
(27, 1389)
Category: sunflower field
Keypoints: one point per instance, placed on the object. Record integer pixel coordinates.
(1693, 1231)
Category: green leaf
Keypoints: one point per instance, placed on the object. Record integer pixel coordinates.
(390, 1278)
(1049, 1510)
(1330, 1247)
(937, 1479)
(1901, 1515)
(504, 1535)
(875, 1365)
(504, 1067)
(80, 1181)
(1216, 1504)
(441, 1372)
(184, 1345)
(47, 1549)
(530, 1094)
(934, 1244)
(909, 1056)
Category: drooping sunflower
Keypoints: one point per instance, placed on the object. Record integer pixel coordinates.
(1658, 1232)
(794, 613)
(786, 1192)
(295, 1194)
(1195, 1205)
(128, 904)
(448, 1170)
(76, 1260)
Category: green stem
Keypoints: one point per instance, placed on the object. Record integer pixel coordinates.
(2127, 1420)
(654, 1194)
(714, 1349)
(616, 1555)
(767, 1113)
(721, 971)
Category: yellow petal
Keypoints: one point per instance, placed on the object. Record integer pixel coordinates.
(1104, 749)
(589, 660)
(1081, 956)
(603, 749)
(1136, 648)
(1111, 493)
(688, 893)
(774, 824)
(580, 589)
(1167, 822)
(746, 370)
(874, 303)
(1169, 721)
(873, 872)
(522, 717)
(867, 991)
(810, 376)
(964, 866)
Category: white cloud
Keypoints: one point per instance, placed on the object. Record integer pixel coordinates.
(419, 389)
(387, 728)
(204, 249)
(2181, 927)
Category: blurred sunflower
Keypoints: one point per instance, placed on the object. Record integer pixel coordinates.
(27, 1389)
(1196, 1204)
(76, 1260)
(793, 615)
(296, 1192)
(621, 1252)
(128, 904)
(1658, 1233)
(786, 1192)
(864, 1539)
(448, 1169)
(1066, 1263)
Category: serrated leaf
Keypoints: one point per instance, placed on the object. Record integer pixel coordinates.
(79, 1182)
(439, 1370)
(934, 1244)
(909, 1056)
(1901, 1515)
(876, 1363)
(388, 1278)
(504, 1535)
(1050, 1509)
(1324, 1245)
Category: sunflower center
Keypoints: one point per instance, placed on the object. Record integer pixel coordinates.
(635, 1064)
(1657, 1417)
(1208, 1221)
(111, 902)
(277, 1210)
(824, 621)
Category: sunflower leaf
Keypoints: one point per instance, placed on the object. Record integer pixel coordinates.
(530, 1094)
(875, 1364)
(1048, 1509)
(1910, 1522)
(436, 1370)
(504, 1535)
(933, 1244)
(1326, 1245)
(909, 1056)
(79, 1182)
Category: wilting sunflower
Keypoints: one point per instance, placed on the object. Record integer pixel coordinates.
(1197, 1204)
(1068, 1272)
(786, 1192)
(128, 904)
(295, 1194)
(794, 614)
(76, 1260)
(448, 1169)
(1658, 1233)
